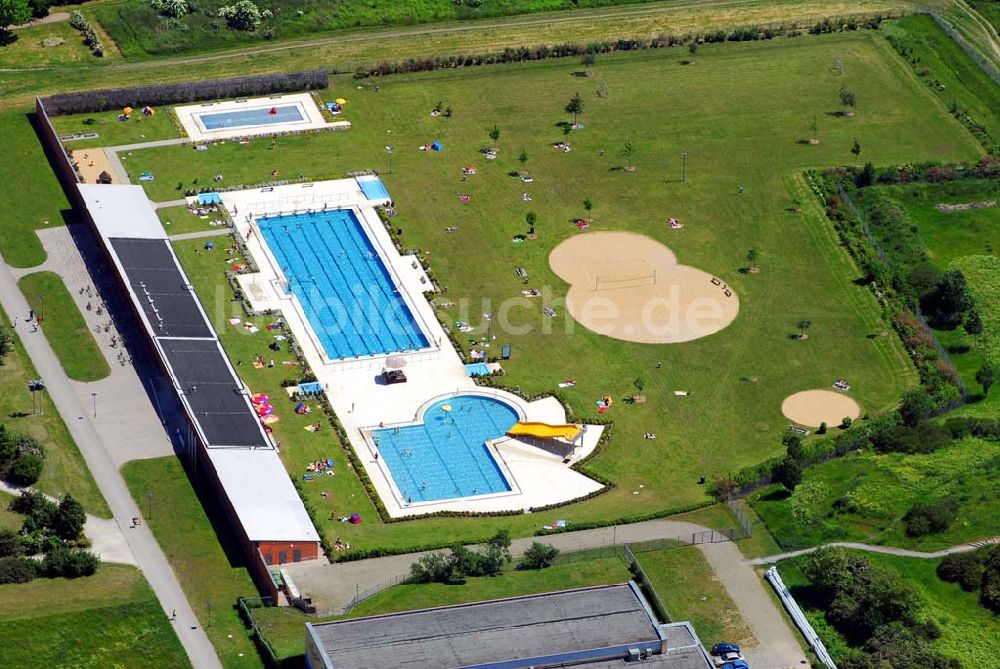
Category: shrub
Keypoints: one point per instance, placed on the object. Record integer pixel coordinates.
(77, 21)
(17, 570)
(66, 563)
(244, 15)
(966, 569)
(26, 469)
(789, 474)
(69, 519)
(538, 556)
(171, 8)
(930, 518)
(10, 546)
(989, 593)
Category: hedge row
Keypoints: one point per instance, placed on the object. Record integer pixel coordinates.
(543, 52)
(90, 38)
(163, 94)
(627, 520)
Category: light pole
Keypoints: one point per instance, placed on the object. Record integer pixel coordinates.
(94, 395)
(489, 326)
(209, 613)
(684, 166)
(388, 151)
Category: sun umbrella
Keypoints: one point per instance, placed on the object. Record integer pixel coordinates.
(127, 110)
(395, 362)
(341, 101)
(446, 408)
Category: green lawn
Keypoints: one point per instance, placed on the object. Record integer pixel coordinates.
(740, 418)
(882, 488)
(178, 220)
(111, 619)
(8, 519)
(112, 132)
(968, 631)
(284, 628)
(65, 470)
(28, 47)
(942, 64)
(203, 554)
(691, 591)
(64, 326)
(35, 199)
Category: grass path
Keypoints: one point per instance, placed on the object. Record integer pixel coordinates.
(63, 325)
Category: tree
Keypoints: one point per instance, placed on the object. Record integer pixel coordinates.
(846, 96)
(639, 383)
(13, 12)
(915, 405)
(10, 546)
(26, 468)
(243, 15)
(575, 107)
(538, 556)
(70, 519)
(523, 158)
(789, 474)
(495, 133)
(802, 326)
(966, 569)
(931, 518)
(531, 218)
(628, 152)
(6, 340)
(985, 377)
(171, 8)
(989, 593)
(856, 149)
(496, 554)
(793, 446)
(948, 303)
(752, 257)
(588, 206)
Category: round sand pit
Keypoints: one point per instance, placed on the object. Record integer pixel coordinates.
(813, 407)
(629, 286)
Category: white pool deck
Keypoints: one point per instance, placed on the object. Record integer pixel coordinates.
(312, 117)
(538, 477)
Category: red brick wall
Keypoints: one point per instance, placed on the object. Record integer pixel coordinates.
(271, 550)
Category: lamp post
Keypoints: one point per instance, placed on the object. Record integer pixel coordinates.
(94, 396)
(209, 613)
(684, 166)
(489, 326)
(388, 150)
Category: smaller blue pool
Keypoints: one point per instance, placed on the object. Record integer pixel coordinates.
(373, 188)
(242, 118)
(446, 456)
(478, 369)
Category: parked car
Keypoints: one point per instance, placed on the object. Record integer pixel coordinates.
(725, 658)
(720, 648)
(736, 664)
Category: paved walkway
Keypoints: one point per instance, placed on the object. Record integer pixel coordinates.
(120, 406)
(219, 231)
(872, 548)
(141, 542)
(334, 585)
(170, 203)
(51, 17)
(106, 539)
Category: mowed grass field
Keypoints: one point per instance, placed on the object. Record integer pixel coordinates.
(739, 112)
(64, 471)
(110, 619)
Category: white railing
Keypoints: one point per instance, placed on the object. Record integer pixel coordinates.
(798, 617)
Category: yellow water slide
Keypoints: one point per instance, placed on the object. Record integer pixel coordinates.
(545, 431)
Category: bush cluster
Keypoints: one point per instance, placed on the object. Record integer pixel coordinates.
(462, 562)
(244, 15)
(173, 9)
(90, 38)
(543, 52)
(51, 529)
(930, 517)
(878, 613)
(979, 570)
(21, 457)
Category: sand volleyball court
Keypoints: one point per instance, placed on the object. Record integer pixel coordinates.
(813, 407)
(629, 286)
(90, 163)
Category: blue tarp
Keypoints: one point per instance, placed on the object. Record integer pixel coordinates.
(209, 198)
(437, 146)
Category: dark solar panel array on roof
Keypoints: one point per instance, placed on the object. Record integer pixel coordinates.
(168, 302)
(215, 396)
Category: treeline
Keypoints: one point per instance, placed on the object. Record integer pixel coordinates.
(975, 571)
(881, 616)
(193, 91)
(661, 41)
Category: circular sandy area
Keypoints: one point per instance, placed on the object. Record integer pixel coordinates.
(812, 407)
(629, 286)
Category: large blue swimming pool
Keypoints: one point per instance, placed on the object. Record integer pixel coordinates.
(447, 456)
(241, 118)
(347, 294)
